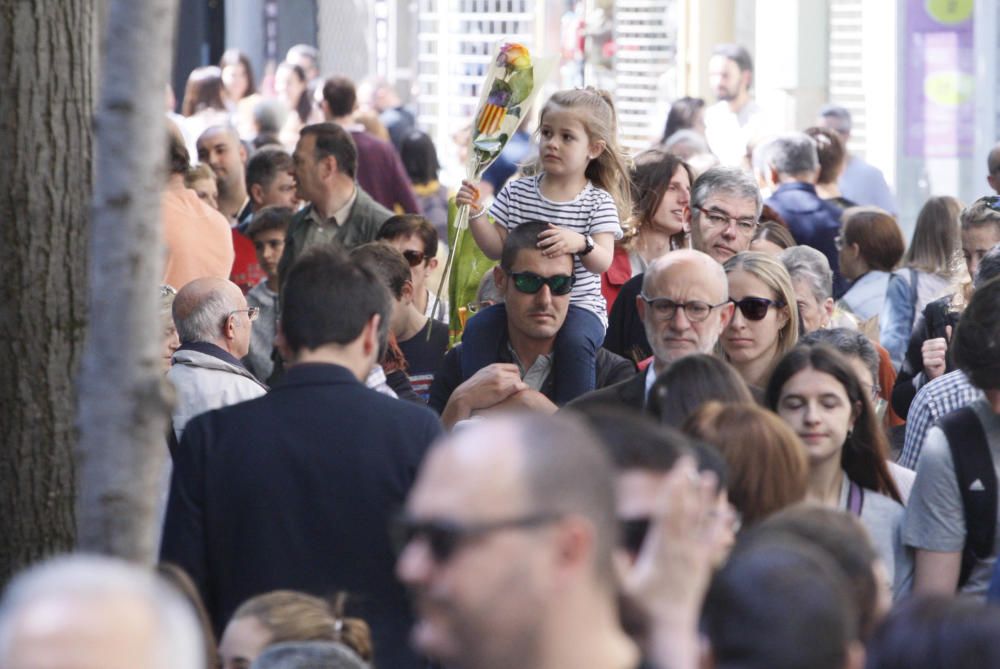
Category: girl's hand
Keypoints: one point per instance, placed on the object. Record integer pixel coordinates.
(469, 194)
(558, 241)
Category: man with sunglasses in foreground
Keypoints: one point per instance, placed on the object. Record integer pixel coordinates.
(508, 545)
(213, 323)
(684, 306)
(536, 292)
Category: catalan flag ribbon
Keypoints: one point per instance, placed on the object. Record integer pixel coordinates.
(490, 118)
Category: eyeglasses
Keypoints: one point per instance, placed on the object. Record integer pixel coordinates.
(531, 283)
(720, 219)
(252, 313)
(634, 530)
(665, 308)
(445, 537)
(992, 201)
(414, 257)
(755, 308)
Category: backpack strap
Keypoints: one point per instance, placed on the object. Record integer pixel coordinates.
(855, 499)
(977, 483)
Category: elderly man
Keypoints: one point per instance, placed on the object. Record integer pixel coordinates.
(684, 306)
(213, 322)
(509, 539)
(725, 206)
(340, 211)
(794, 165)
(536, 291)
(295, 489)
(84, 612)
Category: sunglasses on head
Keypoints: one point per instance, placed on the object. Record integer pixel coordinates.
(755, 308)
(445, 537)
(414, 257)
(531, 283)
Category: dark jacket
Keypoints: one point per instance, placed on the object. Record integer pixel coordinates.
(361, 226)
(931, 324)
(629, 394)
(626, 332)
(812, 222)
(611, 368)
(296, 490)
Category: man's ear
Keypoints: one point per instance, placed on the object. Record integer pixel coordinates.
(773, 175)
(828, 306)
(281, 343)
(256, 194)
(243, 153)
(229, 327)
(726, 314)
(432, 264)
(994, 183)
(406, 294)
(640, 306)
(500, 279)
(369, 337)
(330, 166)
(325, 107)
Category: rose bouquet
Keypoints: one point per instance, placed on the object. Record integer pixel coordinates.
(511, 85)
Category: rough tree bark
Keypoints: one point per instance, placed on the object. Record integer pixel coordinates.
(122, 413)
(46, 101)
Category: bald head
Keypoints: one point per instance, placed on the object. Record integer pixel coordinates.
(696, 280)
(201, 309)
(993, 165)
(220, 148)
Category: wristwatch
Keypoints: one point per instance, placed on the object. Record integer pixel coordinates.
(588, 245)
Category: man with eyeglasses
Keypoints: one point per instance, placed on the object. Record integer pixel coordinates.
(725, 205)
(296, 489)
(536, 292)
(793, 162)
(684, 307)
(508, 543)
(214, 323)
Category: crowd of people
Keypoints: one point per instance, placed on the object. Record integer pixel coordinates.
(703, 406)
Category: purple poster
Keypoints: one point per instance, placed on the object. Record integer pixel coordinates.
(940, 78)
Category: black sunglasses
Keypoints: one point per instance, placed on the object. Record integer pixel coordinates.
(414, 257)
(444, 537)
(633, 534)
(531, 283)
(755, 308)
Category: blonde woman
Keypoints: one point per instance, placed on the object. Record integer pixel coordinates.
(765, 323)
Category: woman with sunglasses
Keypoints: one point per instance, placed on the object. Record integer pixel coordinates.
(765, 323)
(816, 391)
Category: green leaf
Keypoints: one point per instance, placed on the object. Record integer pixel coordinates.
(521, 83)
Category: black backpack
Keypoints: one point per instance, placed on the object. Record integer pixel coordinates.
(977, 482)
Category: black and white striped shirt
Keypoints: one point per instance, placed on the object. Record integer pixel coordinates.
(591, 212)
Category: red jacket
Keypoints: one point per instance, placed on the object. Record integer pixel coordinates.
(616, 276)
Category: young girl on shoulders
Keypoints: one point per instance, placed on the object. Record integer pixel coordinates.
(580, 189)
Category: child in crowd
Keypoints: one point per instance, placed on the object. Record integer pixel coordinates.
(580, 188)
(267, 232)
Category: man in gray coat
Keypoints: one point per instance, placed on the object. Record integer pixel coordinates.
(213, 322)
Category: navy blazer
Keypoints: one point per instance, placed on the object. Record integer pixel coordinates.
(295, 490)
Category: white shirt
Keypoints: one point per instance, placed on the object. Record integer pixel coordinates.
(729, 133)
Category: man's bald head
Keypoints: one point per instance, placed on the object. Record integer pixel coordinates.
(221, 149)
(696, 280)
(201, 307)
(993, 165)
(86, 612)
(690, 263)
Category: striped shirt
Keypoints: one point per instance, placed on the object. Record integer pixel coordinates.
(935, 399)
(591, 212)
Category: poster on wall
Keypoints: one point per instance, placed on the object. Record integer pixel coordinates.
(940, 79)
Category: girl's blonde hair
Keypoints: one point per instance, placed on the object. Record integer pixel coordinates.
(288, 615)
(772, 273)
(596, 111)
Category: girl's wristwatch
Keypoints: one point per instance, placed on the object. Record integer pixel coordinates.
(589, 245)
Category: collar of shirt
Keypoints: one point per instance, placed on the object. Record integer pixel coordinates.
(650, 380)
(339, 217)
(535, 375)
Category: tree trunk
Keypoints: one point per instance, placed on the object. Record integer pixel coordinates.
(46, 101)
(122, 413)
